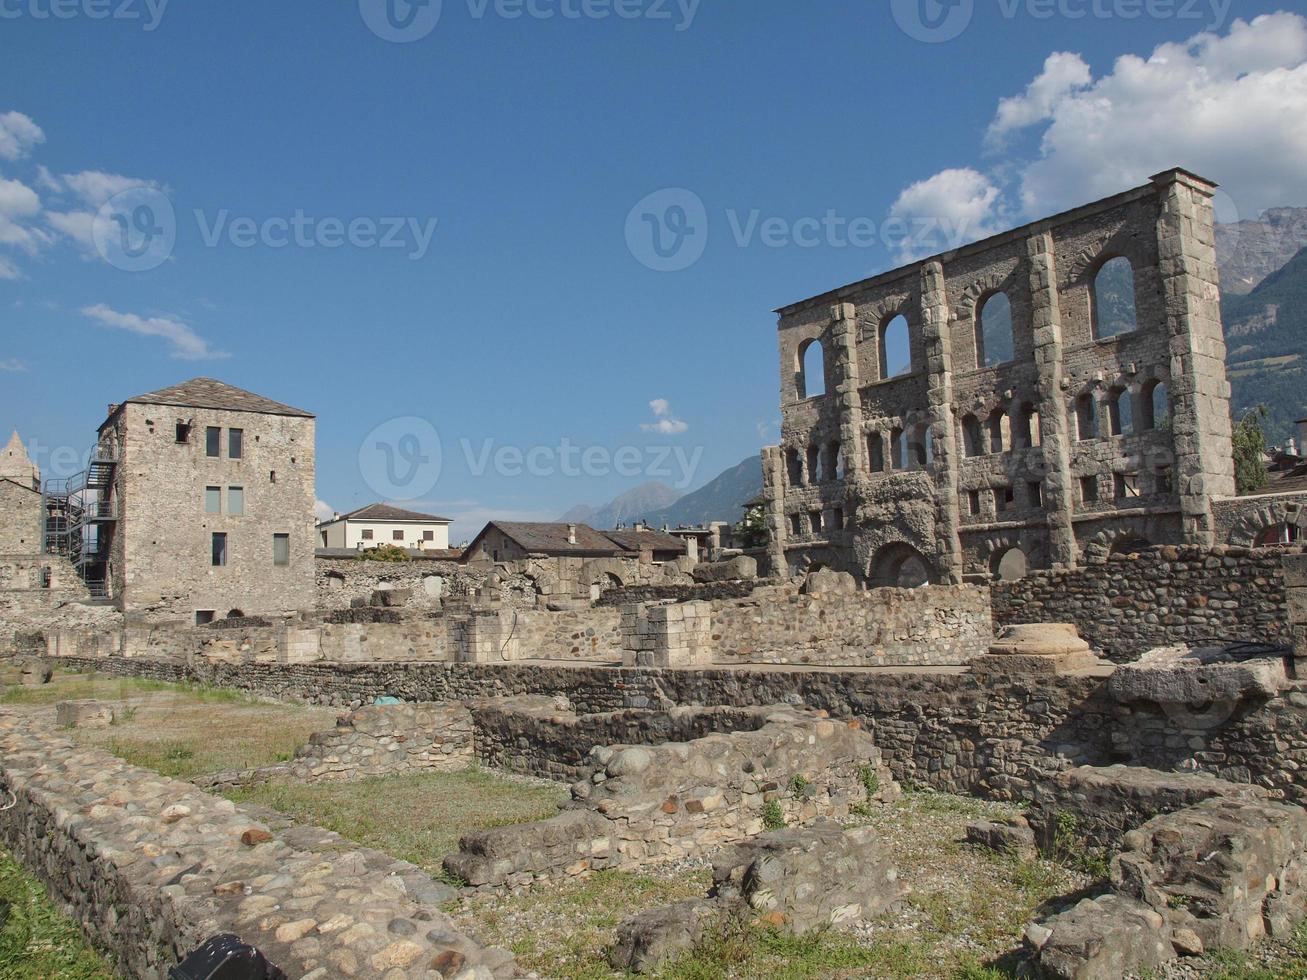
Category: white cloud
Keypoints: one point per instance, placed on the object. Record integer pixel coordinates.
(12, 365)
(95, 187)
(1063, 74)
(666, 423)
(1231, 107)
(8, 270)
(186, 344)
(17, 200)
(18, 134)
(946, 210)
(77, 225)
(323, 511)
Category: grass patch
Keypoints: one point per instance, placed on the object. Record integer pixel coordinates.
(77, 687)
(745, 951)
(1288, 962)
(37, 942)
(416, 818)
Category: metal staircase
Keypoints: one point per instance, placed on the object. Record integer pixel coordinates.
(80, 514)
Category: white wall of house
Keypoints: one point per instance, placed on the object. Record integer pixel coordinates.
(427, 535)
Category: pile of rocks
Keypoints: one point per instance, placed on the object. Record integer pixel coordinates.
(798, 881)
(648, 804)
(1221, 874)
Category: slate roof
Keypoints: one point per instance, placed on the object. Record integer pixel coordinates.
(218, 395)
(552, 538)
(646, 540)
(385, 512)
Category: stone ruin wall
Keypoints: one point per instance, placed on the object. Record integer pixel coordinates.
(152, 867)
(991, 736)
(910, 510)
(1129, 604)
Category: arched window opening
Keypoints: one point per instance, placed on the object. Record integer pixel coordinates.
(1114, 299)
(814, 464)
(1027, 434)
(1279, 535)
(898, 456)
(999, 431)
(994, 343)
(811, 380)
(1154, 406)
(1122, 410)
(794, 467)
(973, 441)
(899, 566)
(235, 614)
(895, 348)
(832, 462)
(876, 452)
(921, 446)
(1086, 417)
(1010, 565)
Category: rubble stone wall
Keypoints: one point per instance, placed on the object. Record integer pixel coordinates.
(152, 867)
(569, 634)
(992, 736)
(377, 740)
(1130, 604)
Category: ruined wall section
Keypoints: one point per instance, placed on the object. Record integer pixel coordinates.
(1053, 450)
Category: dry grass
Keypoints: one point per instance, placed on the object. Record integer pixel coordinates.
(416, 818)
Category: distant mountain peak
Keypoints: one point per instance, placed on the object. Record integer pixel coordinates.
(636, 504)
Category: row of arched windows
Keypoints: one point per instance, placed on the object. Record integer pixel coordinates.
(1128, 413)
(1112, 310)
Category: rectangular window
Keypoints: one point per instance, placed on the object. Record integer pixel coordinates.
(213, 441)
(183, 435)
(1003, 499)
(1036, 492)
(213, 500)
(814, 521)
(203, 616)
(236, 501)
(1089, 489)
(838, 518)
(367, 534)
(428, 535)
(235, 443)
(281, 549)
(397, 535)
(219, 553)
(796, 524)
(1163, 479)
(1127, 486)
(973, 502)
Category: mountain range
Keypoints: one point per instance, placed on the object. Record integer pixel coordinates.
(1263, 265)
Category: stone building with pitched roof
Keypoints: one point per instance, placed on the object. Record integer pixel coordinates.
(208, 498)
(20, 501)
(378, 524)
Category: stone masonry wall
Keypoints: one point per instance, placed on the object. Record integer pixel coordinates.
(879, 627)
(377, 740)
(992, 736)
(1130, 604)
(152, 867)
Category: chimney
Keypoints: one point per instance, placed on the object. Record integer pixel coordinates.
(571, 534)
(638, 526)
(1291, 447)
(1302, 433)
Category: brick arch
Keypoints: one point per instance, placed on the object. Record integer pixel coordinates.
(983, 288)
(1086, 263)
(882, 312)
(1244, 532)
(1031, 543)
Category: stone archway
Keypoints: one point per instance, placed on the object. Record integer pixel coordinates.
(1250, 527)
(899, 566)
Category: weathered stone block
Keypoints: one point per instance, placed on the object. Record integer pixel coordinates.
(742, 567)
(1102, 939)
(1180, 675)
(83, 714)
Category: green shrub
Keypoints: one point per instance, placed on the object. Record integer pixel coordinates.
(773, 818)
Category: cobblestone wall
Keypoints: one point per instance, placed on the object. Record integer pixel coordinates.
(152, 867)
(991, 736)
(1130, 604)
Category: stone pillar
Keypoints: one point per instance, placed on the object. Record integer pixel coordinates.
(844, 350)
(671, 636)
(1054, 429)
(1200, 392)
(773, 491)
(939, 366)
(1295, 579)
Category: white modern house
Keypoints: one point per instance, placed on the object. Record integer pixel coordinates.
(378, 524)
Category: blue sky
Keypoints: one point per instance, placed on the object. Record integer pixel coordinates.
(507, 158)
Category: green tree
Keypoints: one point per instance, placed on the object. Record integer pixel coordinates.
(1250, 452)
(753, 529)
(385, 552)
